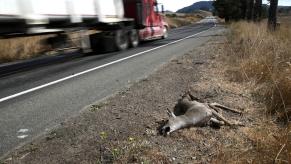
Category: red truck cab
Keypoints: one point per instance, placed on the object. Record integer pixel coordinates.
(148, 19)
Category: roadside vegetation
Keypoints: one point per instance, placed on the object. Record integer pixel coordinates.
(261, 59)
(175, 20)
(181, 19)
(13, 49)
(258, 52)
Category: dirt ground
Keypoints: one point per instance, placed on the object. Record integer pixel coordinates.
(123, 128)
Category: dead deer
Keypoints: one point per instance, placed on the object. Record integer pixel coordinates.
(189, 112)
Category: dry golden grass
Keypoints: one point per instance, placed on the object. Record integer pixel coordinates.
(22, 48)
(285, 20)
(265, 143)
(178, 21)
(264, 58)
(261, 60)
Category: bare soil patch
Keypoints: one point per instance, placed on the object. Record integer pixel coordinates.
(123, 128)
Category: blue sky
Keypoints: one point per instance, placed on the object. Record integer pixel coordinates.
(174, 5)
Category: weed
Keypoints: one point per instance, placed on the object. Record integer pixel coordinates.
(22, 48)
(103, 135)
(264, 58)
(115, 153)
(96, 107)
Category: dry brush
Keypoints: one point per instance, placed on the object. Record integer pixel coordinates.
(264, 58)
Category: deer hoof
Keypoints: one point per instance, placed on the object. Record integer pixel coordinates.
(237, 123)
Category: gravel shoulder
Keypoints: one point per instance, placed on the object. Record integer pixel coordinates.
(123, 127)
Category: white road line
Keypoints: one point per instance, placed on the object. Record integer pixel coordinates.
(93, 69)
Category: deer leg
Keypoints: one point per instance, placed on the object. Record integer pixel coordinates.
(218, 110)
(220, 117)
(225, 108)
(216, 122)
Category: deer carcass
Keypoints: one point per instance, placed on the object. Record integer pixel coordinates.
(189, 112)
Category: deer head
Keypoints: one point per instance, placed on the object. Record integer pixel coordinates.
(174, 123)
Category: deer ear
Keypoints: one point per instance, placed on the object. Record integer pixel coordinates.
(170, 113)
(192, 97)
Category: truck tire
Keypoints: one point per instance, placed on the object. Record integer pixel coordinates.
(165, 32)
(121, 40)
(133, 38)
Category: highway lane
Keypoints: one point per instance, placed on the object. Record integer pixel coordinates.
(27, 116)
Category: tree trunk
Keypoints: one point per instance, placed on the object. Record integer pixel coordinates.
(272, 20)
(244, 7)
(227, 19)
(250, 9)
(257, 10)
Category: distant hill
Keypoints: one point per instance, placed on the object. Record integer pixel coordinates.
(202, 5)
(284, 7)
(284, 10)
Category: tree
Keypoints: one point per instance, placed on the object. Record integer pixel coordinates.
(265, 11)
(244, 8)
(228, 9)
(250, 9)
(272, 19)
(238, 9)
(257, 10)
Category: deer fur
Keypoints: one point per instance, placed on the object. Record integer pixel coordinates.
(189, 112)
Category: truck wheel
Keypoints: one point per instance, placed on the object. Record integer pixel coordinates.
(121, 40)
(133, 38)
(165, 32)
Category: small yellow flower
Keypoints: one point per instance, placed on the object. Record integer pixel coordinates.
(103, 135)
(131, 139)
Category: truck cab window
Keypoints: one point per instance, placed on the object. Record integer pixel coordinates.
(156, 8)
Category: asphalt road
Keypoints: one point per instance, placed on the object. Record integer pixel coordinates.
(25, 116)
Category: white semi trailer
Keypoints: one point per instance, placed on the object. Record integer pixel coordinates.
(58, 13)
(122, 22)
